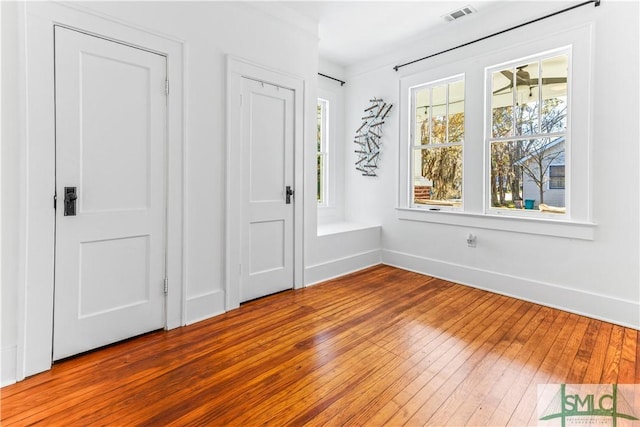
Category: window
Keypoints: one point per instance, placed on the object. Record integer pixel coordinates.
(437, 124)
(527, 133)
(322, 150)
(526, 151)
(556, 177)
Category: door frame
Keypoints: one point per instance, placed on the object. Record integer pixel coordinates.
(36, 269)
(237, 69)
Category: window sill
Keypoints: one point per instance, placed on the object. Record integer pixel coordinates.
(540, 226)
(342, 227)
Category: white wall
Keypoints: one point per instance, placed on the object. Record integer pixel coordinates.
(10, 155)
(210, 31)
(334, 245)
(599, 277)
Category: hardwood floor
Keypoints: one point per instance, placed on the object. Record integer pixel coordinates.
(379, 347)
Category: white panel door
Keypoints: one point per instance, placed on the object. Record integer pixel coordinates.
(267, 230)
(110, 146)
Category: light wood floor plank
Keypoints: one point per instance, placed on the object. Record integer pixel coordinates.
(535, 371)
(435, 352)
(543, 375)
(596, 365)
(461, 347)
(612, 356)
(454, 392)
(561, 369)
(501, 398)
(626, 375)
(475, 389)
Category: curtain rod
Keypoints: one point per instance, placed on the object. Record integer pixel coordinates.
(596, 4)
(332, 78)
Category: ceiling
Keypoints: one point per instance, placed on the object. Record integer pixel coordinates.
(351, 31)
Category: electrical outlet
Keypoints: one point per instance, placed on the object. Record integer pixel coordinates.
(472, 240)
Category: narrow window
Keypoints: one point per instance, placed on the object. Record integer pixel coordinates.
(528, 133)
(437, 137)
(322, 150)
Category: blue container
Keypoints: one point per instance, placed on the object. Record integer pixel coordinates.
(528, 204)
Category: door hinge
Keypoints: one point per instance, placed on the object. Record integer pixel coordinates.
(166, 87)
(166, 285)
(55, 202)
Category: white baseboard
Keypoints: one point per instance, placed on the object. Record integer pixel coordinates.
(204, 306)
(339, 267)
(603, 307)
(8, 363)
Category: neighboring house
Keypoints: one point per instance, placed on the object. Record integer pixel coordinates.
(552, 158)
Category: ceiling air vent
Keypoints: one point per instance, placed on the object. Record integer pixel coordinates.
(459, 13)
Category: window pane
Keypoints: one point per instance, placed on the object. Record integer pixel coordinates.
(502, 103)
(506, 174)
(520, 171)
(437, 177)
(456, 112)
(529, 102)
(321, 147)
(554, 94)
(439, 115)
(527, 99)
(319, 123)
(422, 103)
(320, 177)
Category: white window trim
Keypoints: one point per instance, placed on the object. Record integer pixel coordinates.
(525, 213)
(472, 62)
(332, 211)
(539, 225)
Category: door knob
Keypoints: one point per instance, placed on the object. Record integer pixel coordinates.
(288, 192)
(70, 198)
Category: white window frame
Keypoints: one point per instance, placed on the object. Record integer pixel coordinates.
(332, 211)
(414, 148)
(539, 57)
(325, 142)
(472, 61)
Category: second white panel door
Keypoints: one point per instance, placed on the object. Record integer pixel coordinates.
(267, 184)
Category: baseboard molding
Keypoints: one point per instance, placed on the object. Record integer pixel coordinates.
(597, 306)
(8, 365)
(339, 267)
(204, 306)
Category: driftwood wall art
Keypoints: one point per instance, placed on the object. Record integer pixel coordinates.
(369, 135)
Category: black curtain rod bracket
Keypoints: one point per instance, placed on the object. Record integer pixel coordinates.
(596, 3)
(333, 78)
